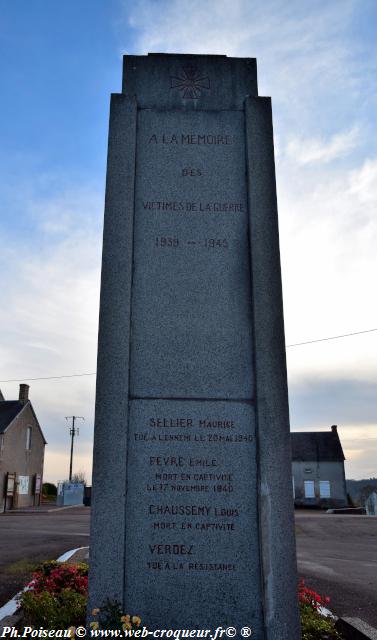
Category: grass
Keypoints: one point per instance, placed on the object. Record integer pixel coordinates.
(20, 567)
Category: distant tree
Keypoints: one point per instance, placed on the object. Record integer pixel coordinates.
(49, 489)
(350, 500)
(79, 476)
(365, 493)
(354, 487)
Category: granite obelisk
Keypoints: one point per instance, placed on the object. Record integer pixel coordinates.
(192, 523)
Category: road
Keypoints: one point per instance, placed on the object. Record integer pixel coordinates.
(29, 538)
(337, 556)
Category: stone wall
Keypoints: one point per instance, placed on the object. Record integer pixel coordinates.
(317, 471)
(14, 457)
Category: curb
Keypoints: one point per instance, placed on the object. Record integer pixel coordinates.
(43, 512)
(355, 629)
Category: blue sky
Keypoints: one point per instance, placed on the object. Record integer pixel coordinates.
(59, 64)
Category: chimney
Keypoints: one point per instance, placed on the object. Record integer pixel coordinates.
(24, 393)
(334, 428)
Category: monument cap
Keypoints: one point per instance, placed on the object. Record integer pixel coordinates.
(164, 81)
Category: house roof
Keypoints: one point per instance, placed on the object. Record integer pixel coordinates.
(9, 409)
(320, 446)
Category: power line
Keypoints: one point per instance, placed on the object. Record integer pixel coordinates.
(72, 375)
(344, 335)
(297, 344)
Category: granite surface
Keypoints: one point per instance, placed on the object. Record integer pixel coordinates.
(276, 522)
(191, 82)
(107, 551)
(192, 496)
(191, 304)
(192, 493)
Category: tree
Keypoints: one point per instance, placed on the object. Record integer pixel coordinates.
(49, 489)
(365, 493)
(79, 476)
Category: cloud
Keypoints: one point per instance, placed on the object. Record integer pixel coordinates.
(302, 48)
(320, 73)
(57, 463)
(229, 26)
(318, 402)
(50, 292)
(321, 400)
(307, 151)
(328, 232)
(363, 184)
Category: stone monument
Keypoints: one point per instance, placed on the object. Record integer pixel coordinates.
(192, 519)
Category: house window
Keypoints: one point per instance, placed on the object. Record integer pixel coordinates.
(28, 438)
(324, 489)
(1, 442)
(309, 488)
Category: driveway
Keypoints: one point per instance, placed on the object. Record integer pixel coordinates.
(29, 538)
(337, 556)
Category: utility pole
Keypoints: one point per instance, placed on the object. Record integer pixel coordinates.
(73, 431)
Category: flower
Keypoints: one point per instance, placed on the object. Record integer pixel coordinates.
(95, 612)
(136, 620)
(126, 618)
(309, 597)
(126, 626)
(71, 632)
(94, 625)
(58, 576)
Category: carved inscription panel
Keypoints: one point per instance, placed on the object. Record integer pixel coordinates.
(191, 461)
(191, 491)
(191, 310)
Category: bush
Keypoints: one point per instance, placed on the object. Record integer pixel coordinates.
(57, 596)
(52, 611)
(111, 616)
(57, 599)
(49, 489)
(314, 626)
(55, 576)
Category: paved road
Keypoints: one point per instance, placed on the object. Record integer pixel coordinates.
(29, 538)
(337, 556)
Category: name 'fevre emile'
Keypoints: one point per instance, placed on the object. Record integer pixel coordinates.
(180, 461)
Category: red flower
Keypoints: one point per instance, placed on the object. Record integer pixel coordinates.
(60, 577)
(308, 596)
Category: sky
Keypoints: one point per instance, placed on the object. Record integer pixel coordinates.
(59, 62)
